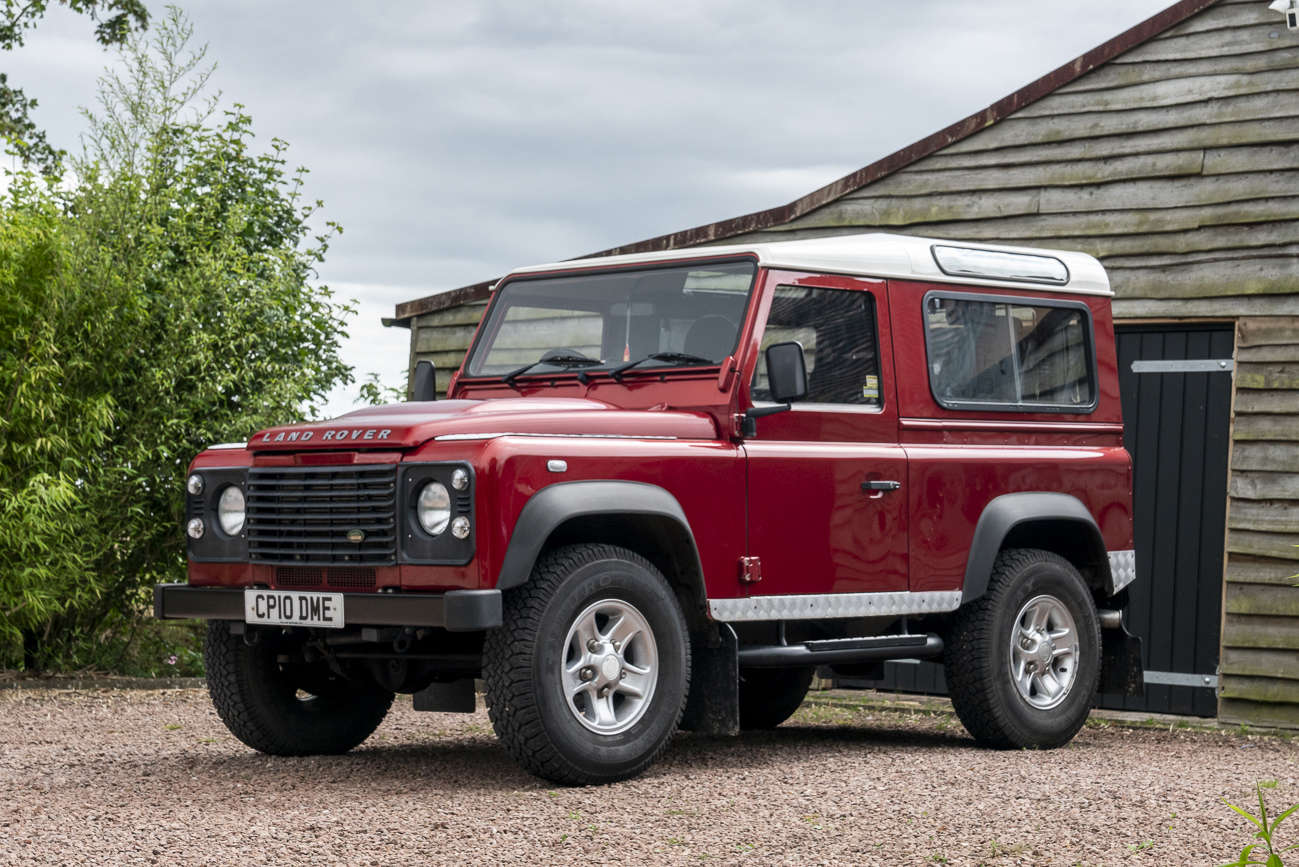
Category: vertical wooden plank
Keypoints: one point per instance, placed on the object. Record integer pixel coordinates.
(1188, 509)
(1146, 422)
(1168, 481)
(1213, 520)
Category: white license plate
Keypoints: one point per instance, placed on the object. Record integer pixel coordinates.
(286, 608)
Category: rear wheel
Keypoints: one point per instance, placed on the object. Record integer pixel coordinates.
(1023, 661)
(769, 696)
(587, 677)
(286, 710)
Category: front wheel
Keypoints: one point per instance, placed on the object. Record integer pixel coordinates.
(587, 677)
(1023, 661)
(284, 710)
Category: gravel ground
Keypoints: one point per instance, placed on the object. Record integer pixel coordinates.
(118, 777)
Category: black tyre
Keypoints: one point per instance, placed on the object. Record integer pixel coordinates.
(1023, 661)
(258, 699)
(769, 696)
(588, 675)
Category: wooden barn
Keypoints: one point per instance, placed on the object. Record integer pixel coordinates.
(1172, 154)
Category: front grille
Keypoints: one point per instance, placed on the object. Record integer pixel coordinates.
(305, 576)
(302, 515)
(296, 576)
(350, 577)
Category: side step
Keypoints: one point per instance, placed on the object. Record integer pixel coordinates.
(841, 651)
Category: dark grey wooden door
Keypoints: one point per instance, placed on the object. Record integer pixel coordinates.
(1176, 424)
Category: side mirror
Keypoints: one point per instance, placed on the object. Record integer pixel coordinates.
(787, 378)
(786, 372)
(424, 386)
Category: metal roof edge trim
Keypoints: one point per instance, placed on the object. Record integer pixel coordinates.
(868, 254)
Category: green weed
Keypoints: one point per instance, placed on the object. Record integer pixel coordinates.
(1266, 831)
(996, 850)
(1142, 846)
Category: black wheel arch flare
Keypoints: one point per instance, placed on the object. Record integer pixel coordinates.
(602, 509)
(1037, 519)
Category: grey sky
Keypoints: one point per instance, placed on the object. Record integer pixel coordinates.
(455, 141)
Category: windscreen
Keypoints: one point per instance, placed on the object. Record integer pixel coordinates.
(665, 317)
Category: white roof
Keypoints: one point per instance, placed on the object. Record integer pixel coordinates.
(873, 255)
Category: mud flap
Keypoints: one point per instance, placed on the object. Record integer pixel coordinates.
(1121, 669)
(713, 706)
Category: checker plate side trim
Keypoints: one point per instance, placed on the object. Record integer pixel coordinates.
(1123, 566)
(831, 605)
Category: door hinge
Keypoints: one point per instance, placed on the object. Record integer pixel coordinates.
(737, 426)
(750, 570)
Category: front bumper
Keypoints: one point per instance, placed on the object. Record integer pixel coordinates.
(454, 611)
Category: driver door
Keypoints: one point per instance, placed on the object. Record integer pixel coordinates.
(816, 522)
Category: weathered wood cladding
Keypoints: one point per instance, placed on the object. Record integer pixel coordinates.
(1176, 164)
(443, 337)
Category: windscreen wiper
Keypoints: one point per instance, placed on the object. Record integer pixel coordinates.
(557, 360)
(669, 357)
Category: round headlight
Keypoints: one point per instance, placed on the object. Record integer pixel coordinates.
(195, 528)
(231, 510)
(194, 484)
(434, 508)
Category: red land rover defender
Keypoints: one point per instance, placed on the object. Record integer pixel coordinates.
(666, 487)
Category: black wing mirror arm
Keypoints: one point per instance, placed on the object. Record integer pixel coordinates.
(753, 413)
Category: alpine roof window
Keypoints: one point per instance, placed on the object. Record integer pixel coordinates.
(1010, 354)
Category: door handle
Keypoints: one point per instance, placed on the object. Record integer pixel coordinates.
(879, 486)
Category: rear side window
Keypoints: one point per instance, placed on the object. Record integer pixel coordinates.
(836, 328)
(1010, 354)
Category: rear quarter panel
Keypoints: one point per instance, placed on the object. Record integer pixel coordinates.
(959, 461)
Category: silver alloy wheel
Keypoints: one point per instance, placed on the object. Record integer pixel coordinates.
(1044, 652)
(610, 666)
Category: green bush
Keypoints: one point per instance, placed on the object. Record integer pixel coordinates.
(160, 302)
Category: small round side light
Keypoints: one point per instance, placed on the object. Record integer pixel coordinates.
(194, 484)
(459, 480)
(195, 528)
(460, 528)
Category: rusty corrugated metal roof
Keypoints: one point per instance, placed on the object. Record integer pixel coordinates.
(1125, 41)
